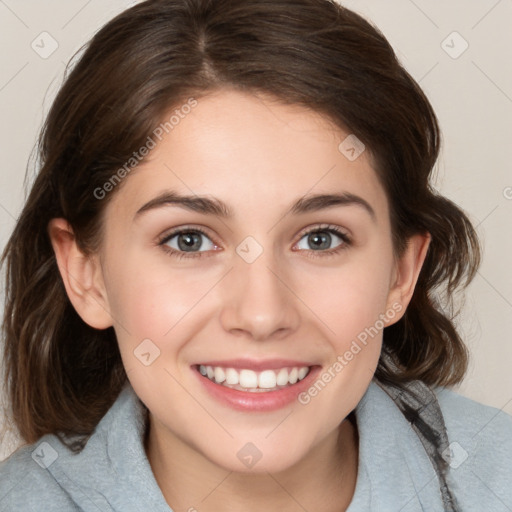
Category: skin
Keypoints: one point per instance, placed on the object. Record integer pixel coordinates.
(258, 156)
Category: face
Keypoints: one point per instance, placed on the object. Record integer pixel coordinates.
(275, 278)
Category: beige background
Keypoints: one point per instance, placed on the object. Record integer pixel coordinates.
(471, 92)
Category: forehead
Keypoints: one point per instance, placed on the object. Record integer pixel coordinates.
(252, 152)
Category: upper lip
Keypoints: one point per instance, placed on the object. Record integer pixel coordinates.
(257, 365)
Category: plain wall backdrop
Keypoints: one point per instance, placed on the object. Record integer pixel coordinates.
(458, 51)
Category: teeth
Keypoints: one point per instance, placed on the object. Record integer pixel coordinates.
(250, 380)
(219, 374)
(231, 376)
(302, 373)
(282, 377)
(267, 379)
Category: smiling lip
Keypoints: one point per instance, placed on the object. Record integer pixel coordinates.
(248, 401)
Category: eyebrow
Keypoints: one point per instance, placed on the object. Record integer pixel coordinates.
(213, 206)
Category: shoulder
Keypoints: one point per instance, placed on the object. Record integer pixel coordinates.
(480, 450)
(68, 476)
(466, 418)
(26, 484)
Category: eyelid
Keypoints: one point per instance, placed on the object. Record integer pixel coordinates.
(313, 228)
(184, 229)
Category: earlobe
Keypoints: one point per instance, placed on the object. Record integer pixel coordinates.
(407, 271)
(81, 275)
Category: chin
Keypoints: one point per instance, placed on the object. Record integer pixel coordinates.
(259, 456)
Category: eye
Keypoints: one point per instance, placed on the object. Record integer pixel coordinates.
(187, 240)
(194, 242)
(322, 239)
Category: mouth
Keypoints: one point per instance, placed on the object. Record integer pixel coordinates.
(248, 386)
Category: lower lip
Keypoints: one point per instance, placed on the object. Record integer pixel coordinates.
(260, 401)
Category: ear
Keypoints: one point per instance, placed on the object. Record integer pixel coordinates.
(406, 272)
(82, 276)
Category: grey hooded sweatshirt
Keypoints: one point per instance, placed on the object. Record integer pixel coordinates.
(395, 474)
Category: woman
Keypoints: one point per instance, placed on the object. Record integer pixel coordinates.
(221, 292)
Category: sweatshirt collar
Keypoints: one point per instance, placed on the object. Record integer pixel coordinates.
(394, 472)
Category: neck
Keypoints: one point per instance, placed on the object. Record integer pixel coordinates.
(324, 480)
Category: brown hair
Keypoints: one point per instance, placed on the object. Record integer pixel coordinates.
(61, 374)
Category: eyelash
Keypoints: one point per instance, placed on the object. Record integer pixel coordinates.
(347, 242)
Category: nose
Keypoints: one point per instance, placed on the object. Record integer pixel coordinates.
(258, 300)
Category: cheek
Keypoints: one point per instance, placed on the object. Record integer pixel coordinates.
(151, 293)
(351, 304)
(156, 303)
(349, 298)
